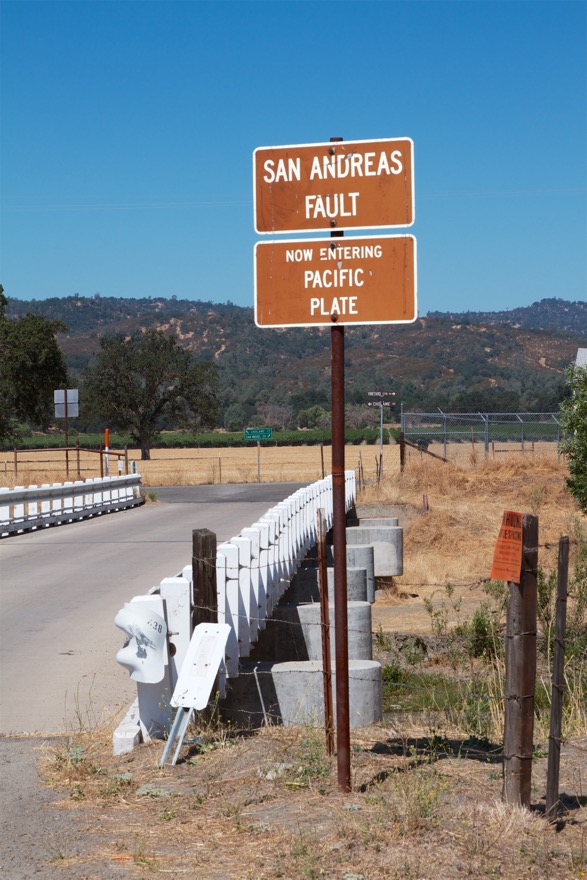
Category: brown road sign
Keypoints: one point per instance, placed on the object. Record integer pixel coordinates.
(318, 282)
(334, 185)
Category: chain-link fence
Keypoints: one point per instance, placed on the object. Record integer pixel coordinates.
(492, 435)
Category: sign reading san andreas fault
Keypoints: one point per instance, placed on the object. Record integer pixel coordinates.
(305, 283)
(334, 185)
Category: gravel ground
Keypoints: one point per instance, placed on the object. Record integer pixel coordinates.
(37, 836)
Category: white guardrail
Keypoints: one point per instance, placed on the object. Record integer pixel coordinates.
(253, 570)
(36, 507)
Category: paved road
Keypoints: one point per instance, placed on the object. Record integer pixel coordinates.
(61, 588)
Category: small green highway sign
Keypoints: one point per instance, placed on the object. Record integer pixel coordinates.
(258, 433)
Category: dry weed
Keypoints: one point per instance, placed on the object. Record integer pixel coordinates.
(454, 540)
(238, 811)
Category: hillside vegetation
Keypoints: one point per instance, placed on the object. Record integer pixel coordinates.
(502, 361)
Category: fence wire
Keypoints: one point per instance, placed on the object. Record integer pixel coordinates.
(489, 434)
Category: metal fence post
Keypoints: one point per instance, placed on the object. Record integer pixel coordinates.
(558, 665)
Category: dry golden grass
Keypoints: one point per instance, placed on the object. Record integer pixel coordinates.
(274, 464)
(190, 467)
(453, 541)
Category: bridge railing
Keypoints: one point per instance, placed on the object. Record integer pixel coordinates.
(253, 570)
(36, 507)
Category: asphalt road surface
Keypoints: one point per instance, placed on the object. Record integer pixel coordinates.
(61, 588)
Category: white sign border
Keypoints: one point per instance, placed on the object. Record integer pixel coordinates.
(341, 322)
(332, 144)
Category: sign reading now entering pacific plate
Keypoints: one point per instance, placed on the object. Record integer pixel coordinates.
(334, 185)
(306, 283)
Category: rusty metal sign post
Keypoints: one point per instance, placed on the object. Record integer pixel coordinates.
(341, 636)
(335, 186)
(341, 646)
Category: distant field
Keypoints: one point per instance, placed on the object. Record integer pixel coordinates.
(185, 467)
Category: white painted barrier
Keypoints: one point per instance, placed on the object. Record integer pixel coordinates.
(253, 570)
(36, 507)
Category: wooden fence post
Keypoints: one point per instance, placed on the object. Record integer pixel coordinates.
(520, 672)
(558, 666)
(402, 451)
(204, 576)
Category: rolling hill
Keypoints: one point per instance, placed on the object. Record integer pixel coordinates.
(494, 361)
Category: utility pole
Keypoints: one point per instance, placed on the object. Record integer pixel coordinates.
(381, 402)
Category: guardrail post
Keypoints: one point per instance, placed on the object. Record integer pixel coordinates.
(246, 593)
(234, 610)
(273, 518)
(258, 605)
(225, 614)
(4, 508)
(18, 513)
(262, 528)
(268, 527)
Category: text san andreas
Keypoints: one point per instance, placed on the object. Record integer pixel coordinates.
(337, 167)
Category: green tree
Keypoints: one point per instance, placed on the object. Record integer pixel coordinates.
(32, 367)
(574, 411)
(313, 417)
(234, 417)
(140, 382)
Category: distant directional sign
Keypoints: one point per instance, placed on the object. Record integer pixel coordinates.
(258, 433)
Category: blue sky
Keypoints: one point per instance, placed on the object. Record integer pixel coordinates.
(127, 132)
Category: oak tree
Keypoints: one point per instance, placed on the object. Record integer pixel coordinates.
(145, 381)
(32, 367)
